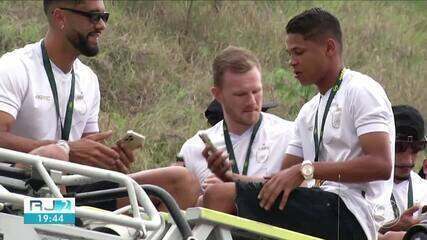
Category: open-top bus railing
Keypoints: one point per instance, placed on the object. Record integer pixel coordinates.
(144, 219)
(87, 174)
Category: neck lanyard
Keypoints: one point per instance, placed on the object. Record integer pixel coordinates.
(230, 149)
(317, 139)
(410, 199)
(66, 128)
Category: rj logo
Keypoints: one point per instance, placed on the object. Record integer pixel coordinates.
(57, 205)
(49, 211)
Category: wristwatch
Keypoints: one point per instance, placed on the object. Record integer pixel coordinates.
(64, 145)
(307, 169)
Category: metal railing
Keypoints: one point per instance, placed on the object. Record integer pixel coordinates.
(87, 174)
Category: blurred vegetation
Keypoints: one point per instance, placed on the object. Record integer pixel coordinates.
(154, 67)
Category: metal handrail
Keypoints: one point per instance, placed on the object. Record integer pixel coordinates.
(135, 192)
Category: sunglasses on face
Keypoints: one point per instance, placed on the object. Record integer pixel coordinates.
(94, 17)
(402, 146)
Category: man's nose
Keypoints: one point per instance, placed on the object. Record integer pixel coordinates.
(101, 25)
(252, 99)
(409, 155)
(293, 62)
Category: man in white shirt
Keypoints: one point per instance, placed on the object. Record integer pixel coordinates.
(48, 94)
(29, 117)
(253, 140)
(344, 137)
(409, 189)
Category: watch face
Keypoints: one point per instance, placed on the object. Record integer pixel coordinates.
(307, 170)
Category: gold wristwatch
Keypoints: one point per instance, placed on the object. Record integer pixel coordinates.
(307, 169)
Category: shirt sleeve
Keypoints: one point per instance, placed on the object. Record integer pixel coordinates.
(13, 85)
(281, 143)
(193, 159)
(92, 122)
(370, 108)
(295, 144)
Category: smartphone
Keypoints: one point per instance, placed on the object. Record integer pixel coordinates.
(131, 140)
(422, 217)
(205, 138)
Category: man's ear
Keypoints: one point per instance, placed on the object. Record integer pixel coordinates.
(58, 18)
(331, 47)
(217, 93)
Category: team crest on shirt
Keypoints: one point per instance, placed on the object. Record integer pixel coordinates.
(79, 97)
(262, 154)
(44, 98)
(80, 104)
(336, 116)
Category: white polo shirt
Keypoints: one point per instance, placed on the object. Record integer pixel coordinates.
(25, 94)
(400, 193)
(268, 148)
(360, 106)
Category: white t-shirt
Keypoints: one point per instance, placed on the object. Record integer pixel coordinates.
(360, 106)
(268, 148)
(25, 94)
(400, 193)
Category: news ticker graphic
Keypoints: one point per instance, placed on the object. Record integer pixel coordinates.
(49, 211)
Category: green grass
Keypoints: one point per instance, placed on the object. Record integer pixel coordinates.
(154, 67)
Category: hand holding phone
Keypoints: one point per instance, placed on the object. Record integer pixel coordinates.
(422, 213)
(131, 140)
(217, 160)
(205, 138)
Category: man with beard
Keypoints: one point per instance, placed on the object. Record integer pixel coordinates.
(409, 189)
(47, 94)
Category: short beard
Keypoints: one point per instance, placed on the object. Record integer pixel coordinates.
(82, 45)
(401, 179)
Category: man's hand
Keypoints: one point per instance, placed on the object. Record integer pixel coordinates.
(51, 151)
(392, 235)
(125, 160)
(211, 180)
(218, 163)
(284, 181)
(90, 151)
(407, 220)
(403, 223)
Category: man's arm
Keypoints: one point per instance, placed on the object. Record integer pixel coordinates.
(86, 151)
(291, 160)
(90, 150)
(374, 164)
(219, 164)
(88, 134)
(125, 156)
(238, 177)
(13, 87)
(53, 151)
(17, 143)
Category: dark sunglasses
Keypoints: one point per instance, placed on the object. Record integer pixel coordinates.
(94, 17)
(416, 146)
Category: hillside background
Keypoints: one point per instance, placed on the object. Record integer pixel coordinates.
(155, 59)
